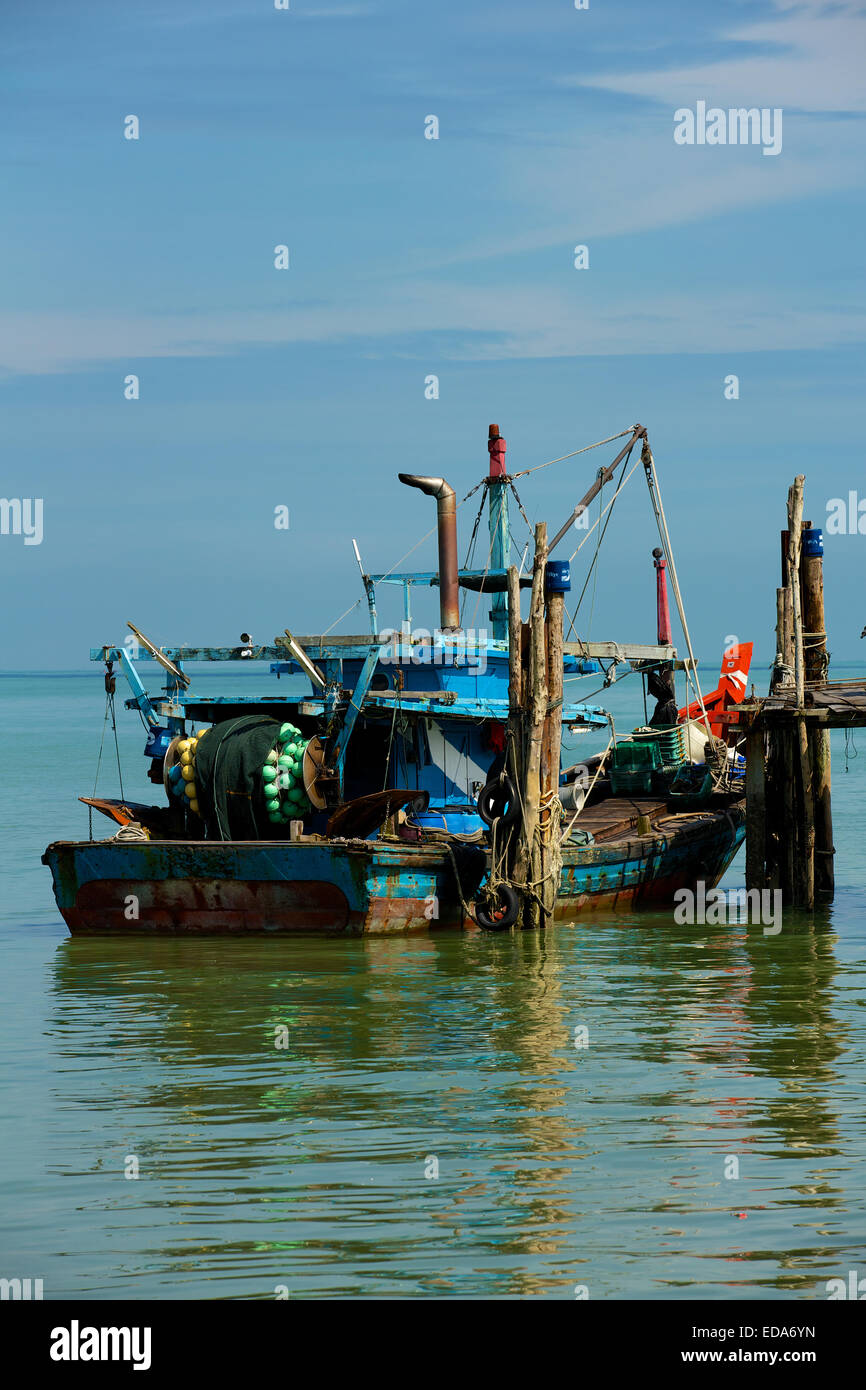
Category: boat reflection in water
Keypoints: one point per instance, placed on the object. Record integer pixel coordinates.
(284, 1102)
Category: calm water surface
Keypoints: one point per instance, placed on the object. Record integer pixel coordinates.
(312, 1166)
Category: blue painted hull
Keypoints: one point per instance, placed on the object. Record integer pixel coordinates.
(335, 887)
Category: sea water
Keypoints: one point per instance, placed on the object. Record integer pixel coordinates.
(615, 1108)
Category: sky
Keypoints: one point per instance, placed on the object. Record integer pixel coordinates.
(409, 258)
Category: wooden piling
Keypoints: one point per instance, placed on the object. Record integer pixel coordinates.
(527, 865)
(517, 859)
(784, 634)
(812, 603)
(515, 634)
(515, 737)
(756, 829)
(551, 754)
(816, 661)
(825, 874)
(804, 858)
(795, 791)
(795, 523)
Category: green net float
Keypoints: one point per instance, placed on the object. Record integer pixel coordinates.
(286, 731)
(284, 760)
(274, 817)
(269, 773)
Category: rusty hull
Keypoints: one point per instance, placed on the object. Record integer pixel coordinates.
(114, 887)
(338, 887)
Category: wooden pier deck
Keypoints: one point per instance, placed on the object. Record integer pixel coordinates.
(789, 822)
(832, 704)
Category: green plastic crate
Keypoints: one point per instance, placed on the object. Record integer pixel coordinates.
(642, 756)
(630, 782)
(632, 766)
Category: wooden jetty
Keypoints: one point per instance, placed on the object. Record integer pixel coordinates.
(789, 821)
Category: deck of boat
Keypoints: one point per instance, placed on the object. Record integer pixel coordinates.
(607, 819)
(613, 821)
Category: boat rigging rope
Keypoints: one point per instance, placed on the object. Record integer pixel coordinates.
(605, 509)
(109, 711)
(470, 549)
(526, 471)
(520, 507)
(608, 508)
(598, 772)
(661, 521)
(486, 571)
(593, 570)
(391, 737)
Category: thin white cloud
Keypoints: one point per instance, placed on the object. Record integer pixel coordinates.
(483, 323)
(817, 65)
(619, 172)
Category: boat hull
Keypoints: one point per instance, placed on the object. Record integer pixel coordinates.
(155, 887)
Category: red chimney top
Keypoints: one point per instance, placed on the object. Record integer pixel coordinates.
(496, 449)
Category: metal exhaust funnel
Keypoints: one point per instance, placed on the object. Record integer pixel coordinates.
(446, 515)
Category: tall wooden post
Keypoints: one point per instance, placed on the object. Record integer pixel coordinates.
(825, 874)
(515, 633)
(515, 752)
(795, 525)
(528, 861)
(816, 661)
(804, 894)
(756, 829)
(784, 634)
(551, 753)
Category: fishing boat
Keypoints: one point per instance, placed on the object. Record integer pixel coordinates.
(380, 799)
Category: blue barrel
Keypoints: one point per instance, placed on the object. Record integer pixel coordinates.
(813, 542)
(557, 576)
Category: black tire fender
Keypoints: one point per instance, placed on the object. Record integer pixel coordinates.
(498, 801)
(503, 917)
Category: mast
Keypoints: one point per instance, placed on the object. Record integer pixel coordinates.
(500, 534)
